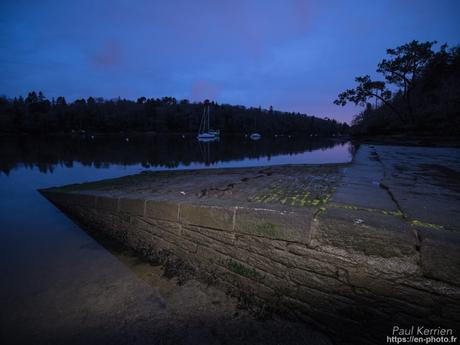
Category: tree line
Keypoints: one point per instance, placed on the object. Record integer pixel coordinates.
(37, 114)
(419, 93)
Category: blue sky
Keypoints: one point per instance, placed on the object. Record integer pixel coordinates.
(295, 55)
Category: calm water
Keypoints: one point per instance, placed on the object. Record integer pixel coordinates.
(51, 154)
(42, 251)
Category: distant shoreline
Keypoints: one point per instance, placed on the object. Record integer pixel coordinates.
(142, 133)
(401, 139)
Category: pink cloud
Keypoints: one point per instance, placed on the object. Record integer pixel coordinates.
(204, 89)
(303, 13)
(109, 55)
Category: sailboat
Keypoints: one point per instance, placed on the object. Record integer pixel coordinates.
(205, 133)
(255, 135)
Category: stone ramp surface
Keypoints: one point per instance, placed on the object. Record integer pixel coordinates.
(425, 182)
(361, 184)
(421, 183)
(284, 187)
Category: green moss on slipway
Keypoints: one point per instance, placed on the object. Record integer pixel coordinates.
(267, 229)
(416, 222)
(242, 270)
(298, 198)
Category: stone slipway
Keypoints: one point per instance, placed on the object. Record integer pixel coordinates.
(354, 247)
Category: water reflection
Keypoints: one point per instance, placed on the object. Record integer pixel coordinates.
(166, 152)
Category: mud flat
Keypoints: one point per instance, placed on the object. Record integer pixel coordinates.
(354, 249)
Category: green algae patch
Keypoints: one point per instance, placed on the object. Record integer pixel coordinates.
(416, 222)
(242, 270)
(398, 213)
(299, 199)
(315, 202)
(350, 207)
(266, 229)
(301, 189)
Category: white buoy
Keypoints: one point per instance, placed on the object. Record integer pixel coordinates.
(126, 139)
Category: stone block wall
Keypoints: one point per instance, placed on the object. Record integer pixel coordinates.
(353, 279)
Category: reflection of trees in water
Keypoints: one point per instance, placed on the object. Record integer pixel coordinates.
(148, 150)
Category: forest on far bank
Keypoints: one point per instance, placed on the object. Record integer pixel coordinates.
(418, 94)
(35, 114)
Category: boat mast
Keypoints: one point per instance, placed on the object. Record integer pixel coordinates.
(203, 122)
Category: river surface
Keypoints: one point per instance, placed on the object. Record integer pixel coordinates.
(59, 285)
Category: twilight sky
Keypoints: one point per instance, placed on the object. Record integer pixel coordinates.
(295, 55)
